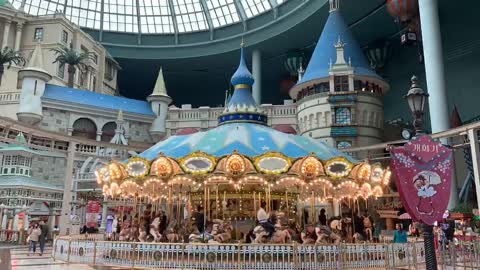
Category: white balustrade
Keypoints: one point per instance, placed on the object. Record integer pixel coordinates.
(9, 97)
(90, 250)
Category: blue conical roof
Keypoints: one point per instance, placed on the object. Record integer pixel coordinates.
(242, 75)
(325, 52)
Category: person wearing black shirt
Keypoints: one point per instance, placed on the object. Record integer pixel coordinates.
(322, 217)
(199, 219)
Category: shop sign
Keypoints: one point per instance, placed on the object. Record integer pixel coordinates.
(423, 172)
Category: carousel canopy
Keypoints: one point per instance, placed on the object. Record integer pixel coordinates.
(247, 139)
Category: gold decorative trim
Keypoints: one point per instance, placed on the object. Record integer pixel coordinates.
(242, 86)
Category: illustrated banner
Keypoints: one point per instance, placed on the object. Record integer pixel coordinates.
(423, 172)
(93, 209)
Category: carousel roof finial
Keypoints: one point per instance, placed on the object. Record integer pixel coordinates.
(241, 106)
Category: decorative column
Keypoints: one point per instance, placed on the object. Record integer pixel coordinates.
(18, 36)
(103, 224)
(435, 75)
(257, 74)
(6, 32)
(99, 136)
(475, 149)
(65, 223)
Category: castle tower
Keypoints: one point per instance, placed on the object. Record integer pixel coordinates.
(340, 93)
(34, 77)
(159, 101)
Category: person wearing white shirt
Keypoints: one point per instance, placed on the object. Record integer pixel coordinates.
(263, 219)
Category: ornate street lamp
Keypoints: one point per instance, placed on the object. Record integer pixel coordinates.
(416, 99)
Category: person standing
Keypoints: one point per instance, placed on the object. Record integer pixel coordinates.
(33, 237)
(322, 218)
(43, 236)
(199, 219)
(400, 235)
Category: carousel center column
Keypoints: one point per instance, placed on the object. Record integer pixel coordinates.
(64, 225)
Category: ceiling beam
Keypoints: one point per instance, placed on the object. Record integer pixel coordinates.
(139, 29)
(209, 18)
(274, 5)
(174, 19)
(241, 13)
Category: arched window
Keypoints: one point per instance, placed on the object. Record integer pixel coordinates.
(108, 131)
(343, 116)
(85, 128)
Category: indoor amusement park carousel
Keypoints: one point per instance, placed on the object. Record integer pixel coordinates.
(195, 198)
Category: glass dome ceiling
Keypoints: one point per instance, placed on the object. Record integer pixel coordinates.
(150, 16)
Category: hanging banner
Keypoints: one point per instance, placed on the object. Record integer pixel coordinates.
(93, 209)
(423, 172)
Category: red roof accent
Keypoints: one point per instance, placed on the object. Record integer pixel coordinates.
(186, 131)
(455, 120)
(285, 129)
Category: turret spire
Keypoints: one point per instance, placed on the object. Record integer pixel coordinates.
(36, 61)
(160, 89)
(241, 106)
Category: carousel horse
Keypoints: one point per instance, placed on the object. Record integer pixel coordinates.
(279, 236)
(154, 229)
(221, 231)
(309, 236)
(326, 236)
(368, 227)
(125, 231)
(173, 232)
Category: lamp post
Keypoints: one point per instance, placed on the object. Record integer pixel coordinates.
(416, 99)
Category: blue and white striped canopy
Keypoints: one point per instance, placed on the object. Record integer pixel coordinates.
(247, 138)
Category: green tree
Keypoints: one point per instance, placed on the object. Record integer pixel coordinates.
(72, 58)
(8, 57)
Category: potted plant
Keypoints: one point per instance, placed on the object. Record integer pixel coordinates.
(462, 211)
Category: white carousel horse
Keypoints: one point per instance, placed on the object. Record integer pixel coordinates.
(142, 233)
(154, 229)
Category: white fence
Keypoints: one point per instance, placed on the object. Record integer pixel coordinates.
(238, 256)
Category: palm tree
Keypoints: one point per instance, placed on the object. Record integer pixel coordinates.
(9, 56)
(72, 58)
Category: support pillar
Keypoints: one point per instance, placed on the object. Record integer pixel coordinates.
(475, 149)
(336, 207)
(18, 36)
(4, 219)
(103, 223)
(435, 75)
(257, 74)
(65, 223)
(99, 136)
(6, 32)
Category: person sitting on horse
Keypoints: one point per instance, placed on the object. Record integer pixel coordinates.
(264, 220)
(163, 221)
